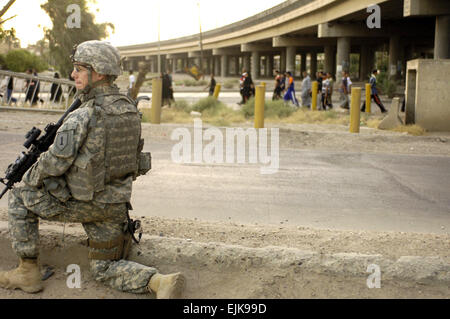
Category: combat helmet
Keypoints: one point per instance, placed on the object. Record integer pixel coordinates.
(100, 55)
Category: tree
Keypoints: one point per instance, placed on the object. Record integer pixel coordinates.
(2, 61)
(64, 36)
(8, 35)
(6, 8)
(20, 60)
(144, 68)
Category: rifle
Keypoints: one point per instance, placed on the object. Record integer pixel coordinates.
(36, 146)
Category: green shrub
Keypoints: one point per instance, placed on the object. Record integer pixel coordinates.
(2, 61)
(229, 84)
(271, 109)
(209, 104)
(387, 86)
(194, 82)
(20, 60)
(182, 105)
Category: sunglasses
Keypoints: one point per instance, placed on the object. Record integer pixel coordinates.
(78, 68)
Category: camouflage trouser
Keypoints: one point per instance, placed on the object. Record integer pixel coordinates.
(27, 204)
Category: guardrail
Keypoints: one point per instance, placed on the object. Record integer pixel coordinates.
(24, 90)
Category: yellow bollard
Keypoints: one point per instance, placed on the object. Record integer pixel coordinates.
(263, 84)
(260, 92)
(315, 87)
(368, 98)
(156, 101)
(217, 91)
(354, 110)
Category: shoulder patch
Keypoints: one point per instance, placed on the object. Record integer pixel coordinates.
(64, 143)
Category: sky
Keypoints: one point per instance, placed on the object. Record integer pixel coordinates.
(136, 21)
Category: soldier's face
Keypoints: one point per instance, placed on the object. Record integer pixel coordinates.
(81, 76)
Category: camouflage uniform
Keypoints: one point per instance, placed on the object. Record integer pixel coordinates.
(86, 176)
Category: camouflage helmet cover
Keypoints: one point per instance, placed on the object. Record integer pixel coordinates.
(100, 55)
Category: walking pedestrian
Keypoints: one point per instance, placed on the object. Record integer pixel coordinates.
(324, 95)
(306, 90)
(132, 81)
(212, 85)
(55, 90)
(9, 91)
(345, 90)
(290, 93)
(374, 93)
(248, 87)
(241, 85)
(277, 91)
(329, 97)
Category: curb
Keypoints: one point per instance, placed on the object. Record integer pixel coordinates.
(155, 250)
(29, 109)
(409, 268)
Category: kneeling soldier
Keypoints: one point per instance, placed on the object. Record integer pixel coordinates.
(86, 176)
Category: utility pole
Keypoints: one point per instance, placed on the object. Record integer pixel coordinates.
(159, 38)
(201, 40)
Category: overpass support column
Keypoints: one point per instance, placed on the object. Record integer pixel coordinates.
(212, 61)
(174, 65)
(442, 38)
(224, 65)
(343, 57)
(303, 63)
(283, 61)
(236, 65)
(216, 66)
(207, 66)
(256, 66)
(246, 63)
(136, 64)
(394, 51)
(328, 63)
(365, 62)
(313, 64)
(152, 65)
(290, 59)
(269, 65)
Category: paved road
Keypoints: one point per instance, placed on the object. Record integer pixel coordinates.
(318, 189)
(334, 190)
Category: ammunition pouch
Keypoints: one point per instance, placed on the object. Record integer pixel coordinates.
(121, 244)
(145, 163)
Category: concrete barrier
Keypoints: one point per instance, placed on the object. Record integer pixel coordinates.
(392, 120)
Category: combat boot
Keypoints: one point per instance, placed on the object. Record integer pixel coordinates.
(26, 277)
(167, 286)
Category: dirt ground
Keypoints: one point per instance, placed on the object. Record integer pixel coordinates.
(207, 278)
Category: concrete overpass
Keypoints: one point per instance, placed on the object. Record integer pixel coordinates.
(299, 34)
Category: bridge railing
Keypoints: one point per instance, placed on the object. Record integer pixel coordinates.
(26, 90)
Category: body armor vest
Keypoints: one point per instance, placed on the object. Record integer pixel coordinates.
(108, 160)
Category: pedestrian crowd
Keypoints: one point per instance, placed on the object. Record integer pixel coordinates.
(285, 89)
(32, 89)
